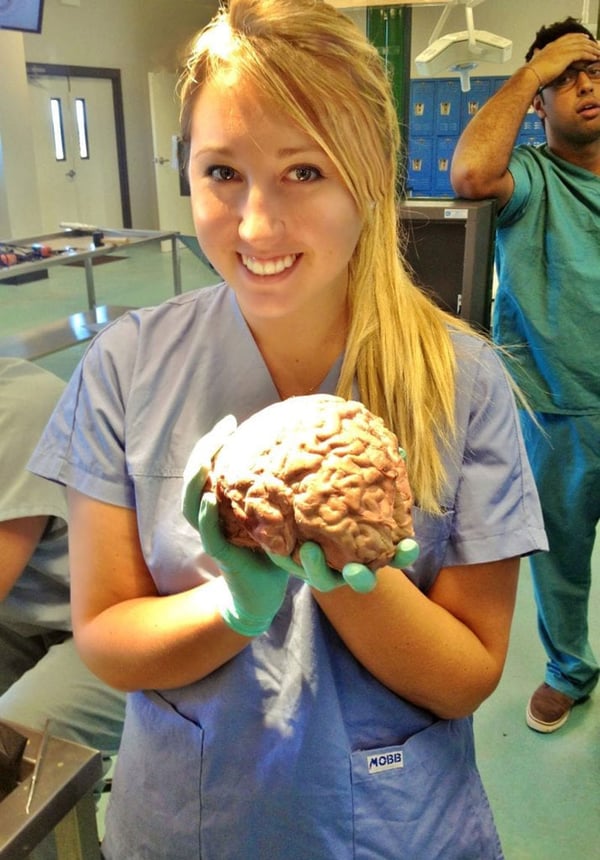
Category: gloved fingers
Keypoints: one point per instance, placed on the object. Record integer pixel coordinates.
(287, 563)
(199, 464)
(319, 575)
(213, 540)
(317, 572)
(359, 577)
(234, 560)
(407, 552)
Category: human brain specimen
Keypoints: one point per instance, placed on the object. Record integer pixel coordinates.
(314, 468)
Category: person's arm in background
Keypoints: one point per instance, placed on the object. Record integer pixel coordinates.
(482, 155)
(28, 394)
(18, 541)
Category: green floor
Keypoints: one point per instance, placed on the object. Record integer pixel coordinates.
(544, 789)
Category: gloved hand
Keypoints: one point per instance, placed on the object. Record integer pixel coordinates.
(316, 572)
(199, 464)
(255, 586)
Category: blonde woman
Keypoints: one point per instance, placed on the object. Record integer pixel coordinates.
(267, 718)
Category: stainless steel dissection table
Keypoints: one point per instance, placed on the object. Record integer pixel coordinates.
(67, 247)
(62, 803)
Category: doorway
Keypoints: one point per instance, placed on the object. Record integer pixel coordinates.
(79, 141)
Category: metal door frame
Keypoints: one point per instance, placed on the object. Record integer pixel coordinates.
(37, 70)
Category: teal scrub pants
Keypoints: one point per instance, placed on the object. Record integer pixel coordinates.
(564, 452)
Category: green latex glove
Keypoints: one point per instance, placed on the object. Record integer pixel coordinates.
(199, 464)
(316, 572)
(255, 586)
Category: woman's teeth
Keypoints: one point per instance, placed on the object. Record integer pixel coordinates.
(268, 267)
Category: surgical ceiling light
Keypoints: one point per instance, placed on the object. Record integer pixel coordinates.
(462, 51)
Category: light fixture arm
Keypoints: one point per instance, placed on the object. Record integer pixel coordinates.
(471, 28)
(468, 4)
(461, 52)
(440, 24)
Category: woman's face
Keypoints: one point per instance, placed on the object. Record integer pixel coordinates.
(270, 210)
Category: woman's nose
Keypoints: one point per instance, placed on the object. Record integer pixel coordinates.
(261, 215)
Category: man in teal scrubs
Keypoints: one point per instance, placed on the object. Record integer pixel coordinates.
(546, 316)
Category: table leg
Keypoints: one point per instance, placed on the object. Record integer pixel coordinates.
(176, 259)
(89, 283)
(77, 833)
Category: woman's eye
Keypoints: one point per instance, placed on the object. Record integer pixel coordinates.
(221, 173)
(304, 174)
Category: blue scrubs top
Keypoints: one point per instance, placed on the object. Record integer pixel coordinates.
(292, 748)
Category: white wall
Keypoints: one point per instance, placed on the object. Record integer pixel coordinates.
(19, 199)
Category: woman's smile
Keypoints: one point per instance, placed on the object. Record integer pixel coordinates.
(269, 267)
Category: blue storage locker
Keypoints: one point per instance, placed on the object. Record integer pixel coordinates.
(447, 106)
(419, 167)
(430, 152)
(479, 93)
(422, 101)
(444, 149)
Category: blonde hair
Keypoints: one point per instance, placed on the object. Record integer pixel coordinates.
(317, 66)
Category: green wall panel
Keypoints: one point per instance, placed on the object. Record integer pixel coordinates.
(389, 29)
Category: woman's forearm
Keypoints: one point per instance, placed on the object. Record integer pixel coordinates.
(158, 642)
(419, 648)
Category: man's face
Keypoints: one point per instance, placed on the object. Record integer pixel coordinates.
(570, 105)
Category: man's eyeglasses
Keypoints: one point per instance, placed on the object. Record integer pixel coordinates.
(570, 75)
